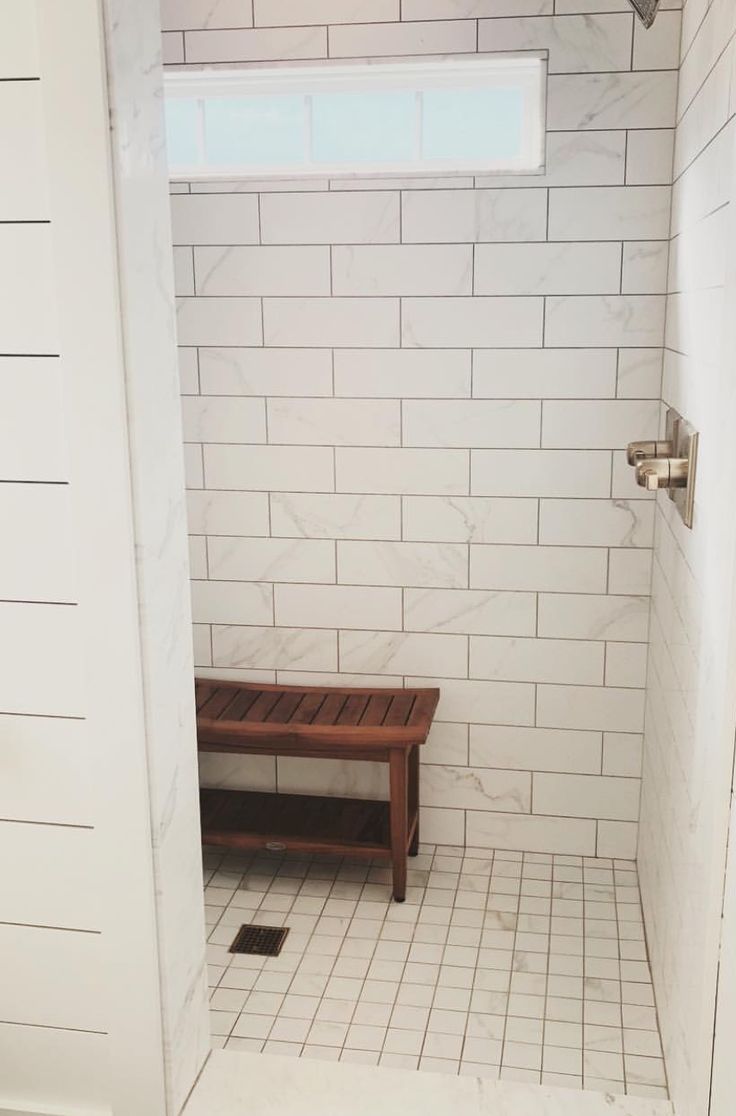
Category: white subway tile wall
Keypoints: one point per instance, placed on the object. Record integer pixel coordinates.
(688, 749)
(405, 403)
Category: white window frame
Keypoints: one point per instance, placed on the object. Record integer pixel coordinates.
(527, 71)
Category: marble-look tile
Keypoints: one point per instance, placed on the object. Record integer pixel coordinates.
(609, 213)
(591, 616)
(470, 611)
(454, 216)
(570, 836)
(337, 322)
(469, 519)
(523, 269)
(237, 371)
(404, 653)
(595, 43)
(588, 796)
(639, 374)
(623, 100)
(537, 749)
(336, 422)
(200, 219)
(597, 424)
(472, 9)
(538, 568)
(476, 322)
(330, 218)
(596, 522)
(570, 473)
(338, 606)
(335, 516)
(213, 46)
(645, 267)
(471, 788)
(227, 513)
(279, 648)
(271, 270)
(625, 320)
(592, 707)
(234, 559)
(544, 373)
(512, 659)
(573, 159)
(419, 269)
(229, 602)
(201, 14)
(510, 703)
(403, 373)
(276, 13)
(466, 423)
(394, 39)
(407, 471)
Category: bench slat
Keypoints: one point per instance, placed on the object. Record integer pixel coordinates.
(263, 705)
(308, 709)
(400, 709)
(330, 710)
(376, 709)
(217, 702)
(284, 708)
(352, 710)
(240, 706)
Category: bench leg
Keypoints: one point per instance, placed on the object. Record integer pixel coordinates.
(414, 797)
(399, 819)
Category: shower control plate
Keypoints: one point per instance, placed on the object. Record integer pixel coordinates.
(684, 441)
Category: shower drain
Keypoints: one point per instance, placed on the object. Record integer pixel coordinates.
(263, 940)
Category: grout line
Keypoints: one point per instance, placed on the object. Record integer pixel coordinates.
(620, 980)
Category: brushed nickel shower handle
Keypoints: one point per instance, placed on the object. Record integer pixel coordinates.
(662, 472)
(639, 451)
(669, 463)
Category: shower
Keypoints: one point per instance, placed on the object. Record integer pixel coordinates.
(646, 10)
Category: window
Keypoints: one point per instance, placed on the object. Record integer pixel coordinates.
(483, 114)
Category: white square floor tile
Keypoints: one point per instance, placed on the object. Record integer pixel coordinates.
(527, 967)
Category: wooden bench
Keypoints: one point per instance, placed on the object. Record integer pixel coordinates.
(387, 726)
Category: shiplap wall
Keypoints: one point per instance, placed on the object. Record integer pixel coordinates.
(50, 912)
(405, 407)
(102, 997)
(689, 744)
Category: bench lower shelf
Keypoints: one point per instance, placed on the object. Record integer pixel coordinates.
(303, 823)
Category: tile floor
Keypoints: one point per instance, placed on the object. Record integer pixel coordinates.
(522, 966)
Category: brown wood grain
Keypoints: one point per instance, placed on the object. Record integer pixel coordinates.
(353, 723)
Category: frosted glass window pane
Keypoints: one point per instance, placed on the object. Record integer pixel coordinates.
(472, 123)
(473, 114)
(261, 130)
(363, 127)
(182, 130)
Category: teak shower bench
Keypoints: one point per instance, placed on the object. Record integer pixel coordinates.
(386, 726)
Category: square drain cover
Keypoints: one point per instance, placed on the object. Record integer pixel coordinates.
(264, 940)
